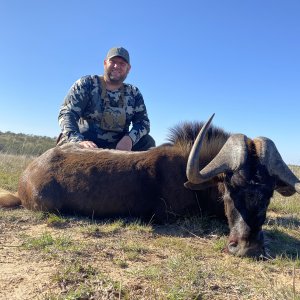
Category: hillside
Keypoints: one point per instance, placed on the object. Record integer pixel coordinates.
(19, 143)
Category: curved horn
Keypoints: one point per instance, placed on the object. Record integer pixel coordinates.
(232, 155)
(271, 159)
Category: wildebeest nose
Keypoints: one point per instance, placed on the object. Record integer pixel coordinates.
(233, 247)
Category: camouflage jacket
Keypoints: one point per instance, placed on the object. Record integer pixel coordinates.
(83, 110)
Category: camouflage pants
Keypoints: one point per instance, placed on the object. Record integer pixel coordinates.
(145, 143)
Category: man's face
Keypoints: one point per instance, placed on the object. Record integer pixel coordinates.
(116, 69)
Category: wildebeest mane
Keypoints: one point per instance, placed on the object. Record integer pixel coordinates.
(184, 134)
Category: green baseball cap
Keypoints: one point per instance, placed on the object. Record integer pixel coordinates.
(118, 51)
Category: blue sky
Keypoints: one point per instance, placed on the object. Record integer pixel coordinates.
(239, 59)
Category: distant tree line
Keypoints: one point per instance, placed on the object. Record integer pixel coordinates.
(24, 144)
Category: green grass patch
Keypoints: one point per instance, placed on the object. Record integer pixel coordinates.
(103, 228)
(54, 220)
(138, 226)
(47, 243)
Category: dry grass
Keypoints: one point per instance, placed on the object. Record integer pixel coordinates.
(11, 167)
(46, 256)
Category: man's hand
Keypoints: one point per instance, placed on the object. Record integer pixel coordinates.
(88, 144)
(125, 143)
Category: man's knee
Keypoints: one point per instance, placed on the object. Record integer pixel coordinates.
(145, 143)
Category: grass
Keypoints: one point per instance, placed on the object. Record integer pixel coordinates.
(56, 220)
(79, 258)
(84, 282)
(46, 242)
(11, 167)
(20, 144)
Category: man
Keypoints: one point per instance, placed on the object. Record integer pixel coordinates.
(98, 110)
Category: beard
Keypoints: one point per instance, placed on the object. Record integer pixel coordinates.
(113, 78)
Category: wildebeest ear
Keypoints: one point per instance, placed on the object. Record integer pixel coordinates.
(283, 189)
(198, 187)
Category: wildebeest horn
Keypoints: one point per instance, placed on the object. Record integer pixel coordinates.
(232, 155)
(271, 159)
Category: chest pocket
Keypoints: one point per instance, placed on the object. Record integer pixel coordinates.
(113, 118)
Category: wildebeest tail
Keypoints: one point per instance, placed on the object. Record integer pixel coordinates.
(8, 199)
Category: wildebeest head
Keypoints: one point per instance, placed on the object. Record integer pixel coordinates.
(250, 171)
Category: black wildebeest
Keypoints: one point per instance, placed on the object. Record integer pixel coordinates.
(226, 175)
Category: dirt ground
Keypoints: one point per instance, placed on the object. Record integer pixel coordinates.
(23, 275)
(78, 259)
(31, 273)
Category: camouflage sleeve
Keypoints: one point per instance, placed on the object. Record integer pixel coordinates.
(72, 109)
(140, 120)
